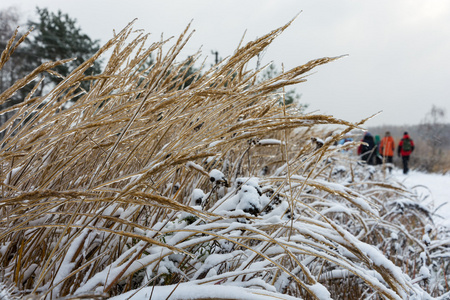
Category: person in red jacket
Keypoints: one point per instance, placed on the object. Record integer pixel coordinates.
(405, 148)
(387, 149)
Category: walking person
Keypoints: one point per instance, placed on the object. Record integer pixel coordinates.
(387, 149)
(405, 148)
(378, 160)
(366, 150)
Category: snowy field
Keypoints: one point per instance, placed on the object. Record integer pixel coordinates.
(434, 188)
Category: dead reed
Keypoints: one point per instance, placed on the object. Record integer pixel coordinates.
(96, 195)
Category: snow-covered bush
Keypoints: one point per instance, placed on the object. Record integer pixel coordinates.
(124, 194)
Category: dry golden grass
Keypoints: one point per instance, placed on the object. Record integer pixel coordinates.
(92, 192)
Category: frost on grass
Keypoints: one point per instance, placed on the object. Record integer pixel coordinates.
(6, 293)
(148, 187)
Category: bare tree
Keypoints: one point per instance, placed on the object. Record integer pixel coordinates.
(9, 21)
(432, 129)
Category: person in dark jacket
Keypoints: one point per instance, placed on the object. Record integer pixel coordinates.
(378, 159)
(366, 150)
(405, 148)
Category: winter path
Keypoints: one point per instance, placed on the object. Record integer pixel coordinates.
(433, 188)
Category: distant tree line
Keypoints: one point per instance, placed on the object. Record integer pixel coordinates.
(432, 139)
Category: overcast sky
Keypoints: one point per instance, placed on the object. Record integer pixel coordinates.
(398, 51)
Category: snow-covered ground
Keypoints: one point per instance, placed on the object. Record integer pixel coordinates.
(434, 188)
(431, 188)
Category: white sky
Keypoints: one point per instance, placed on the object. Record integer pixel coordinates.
(398, 50)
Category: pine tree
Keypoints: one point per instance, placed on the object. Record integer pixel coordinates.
(56, 37)
(290, 96)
